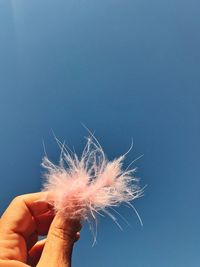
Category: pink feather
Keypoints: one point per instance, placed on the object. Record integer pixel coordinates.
(82, 187)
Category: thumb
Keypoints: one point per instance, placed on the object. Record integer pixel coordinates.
(62, 235)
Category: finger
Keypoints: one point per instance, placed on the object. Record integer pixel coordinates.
(31, 240)
(22, 219)
(20, 213)
(43, 223)
(12, 263)
(59, 244)
(77, 237)
(35, 252)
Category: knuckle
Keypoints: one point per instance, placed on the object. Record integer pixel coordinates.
(63, 234)
(18, 199)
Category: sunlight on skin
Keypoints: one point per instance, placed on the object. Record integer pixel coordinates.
(26, 218)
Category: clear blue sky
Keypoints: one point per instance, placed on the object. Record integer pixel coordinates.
(127, 69)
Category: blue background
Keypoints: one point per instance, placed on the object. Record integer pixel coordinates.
(127, 69)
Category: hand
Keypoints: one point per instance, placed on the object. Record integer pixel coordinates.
(28, 217)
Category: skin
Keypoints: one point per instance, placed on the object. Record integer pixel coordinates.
(28, 217)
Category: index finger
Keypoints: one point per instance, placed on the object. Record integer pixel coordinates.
(19, 216)
(21, 223)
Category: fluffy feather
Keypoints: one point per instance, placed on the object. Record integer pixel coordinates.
(82, 187)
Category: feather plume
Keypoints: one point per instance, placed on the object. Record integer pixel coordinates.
(82, 187)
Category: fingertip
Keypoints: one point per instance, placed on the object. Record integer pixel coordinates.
(78, 235)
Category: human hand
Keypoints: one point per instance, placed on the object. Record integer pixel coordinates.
(26, 218)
